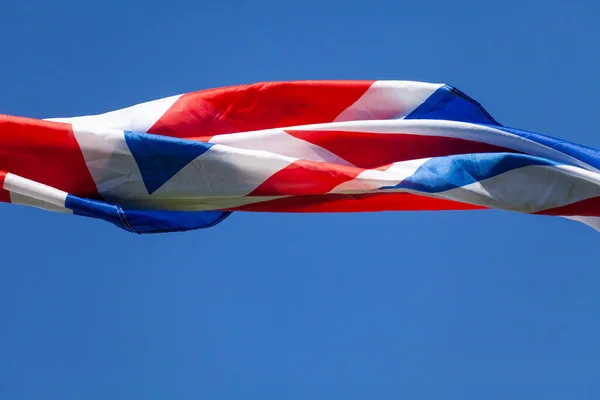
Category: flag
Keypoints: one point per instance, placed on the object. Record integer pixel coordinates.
(188, 161)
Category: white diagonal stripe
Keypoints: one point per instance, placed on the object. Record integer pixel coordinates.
(27, 192)
(278, 141)
(137, 118)
(223, 171)
(110, 162)
(389, 99)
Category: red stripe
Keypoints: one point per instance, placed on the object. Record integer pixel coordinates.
(259, 106)
(371, 150)
(45, 152)
(588, 208)
(4, 194)
(357, 203)
(305, 178)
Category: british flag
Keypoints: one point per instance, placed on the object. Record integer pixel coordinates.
(188, 161)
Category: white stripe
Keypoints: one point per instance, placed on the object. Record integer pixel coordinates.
(27, 192)
(592, 222)
(17, 198)
(277, 141)
(223, 171)
(110, 162)
(137, 118)
(389, 99)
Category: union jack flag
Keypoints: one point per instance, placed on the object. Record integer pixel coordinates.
(188, 161)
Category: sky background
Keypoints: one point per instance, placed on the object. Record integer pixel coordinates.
(424, 305)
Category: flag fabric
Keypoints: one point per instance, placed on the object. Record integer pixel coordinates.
(188, 161)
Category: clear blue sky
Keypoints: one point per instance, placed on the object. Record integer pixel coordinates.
(451, 305)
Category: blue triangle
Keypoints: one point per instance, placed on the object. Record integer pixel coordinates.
(449, 103)
(161, 157)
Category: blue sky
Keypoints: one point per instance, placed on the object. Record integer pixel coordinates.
(453, 305)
